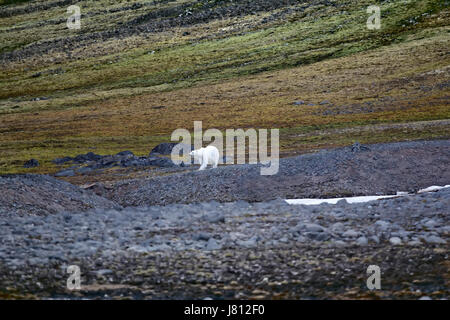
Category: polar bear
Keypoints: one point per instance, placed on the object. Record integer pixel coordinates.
(205, 156)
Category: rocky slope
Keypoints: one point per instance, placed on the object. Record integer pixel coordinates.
(42, 195)
(378, 169)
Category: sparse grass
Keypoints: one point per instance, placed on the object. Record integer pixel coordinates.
(324, 33)
(231, 73)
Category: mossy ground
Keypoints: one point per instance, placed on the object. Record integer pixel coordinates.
(131, 92)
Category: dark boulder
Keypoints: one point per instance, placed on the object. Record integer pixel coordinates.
(105, 162)
(147, 162)
(90, 156)
(185, 164)
(166, 148)
(134, 162)
(62, 160)
(32, 163)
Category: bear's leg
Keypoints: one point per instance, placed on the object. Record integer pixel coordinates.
(203, 162)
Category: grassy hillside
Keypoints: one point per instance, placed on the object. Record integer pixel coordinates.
(137, 70)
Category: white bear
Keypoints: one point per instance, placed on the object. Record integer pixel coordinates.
(205, 156)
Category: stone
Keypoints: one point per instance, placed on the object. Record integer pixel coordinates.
(215, 217)
(431, 223)
(32, 163)
(362, 241)
(318, 236)
(250, 243)
(213, 245)
(340, 243)
(205, 236)
(375, 239)
(84, 170)
(312, 227)
(90, 156)
(309, 227)
(350, 234)
(65, 173)
(62, 160)
(435, 240)
(382, 225)
(126, 154)
(338, 226)
(395, 241)
(166, 148)
(357, 147)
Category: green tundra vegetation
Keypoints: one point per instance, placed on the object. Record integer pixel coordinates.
(137, 70)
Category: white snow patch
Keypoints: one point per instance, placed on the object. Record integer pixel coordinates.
(360, 199)
(433, 188)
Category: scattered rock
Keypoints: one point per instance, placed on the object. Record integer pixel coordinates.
(382, 225)
(213, 245)
(166, 148)
(362, 241)
(65, 173)
(32, 163)
(337, 227)
(215, 217)
(62, 160)
(357, 147)
(90, 156)
(84, 170)
(202, 236)
(350, 234)
(435, 240)
(126, 154)
(395, 241)
(311, 227)
(318, 236)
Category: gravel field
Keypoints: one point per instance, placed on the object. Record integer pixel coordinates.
(233, 250)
